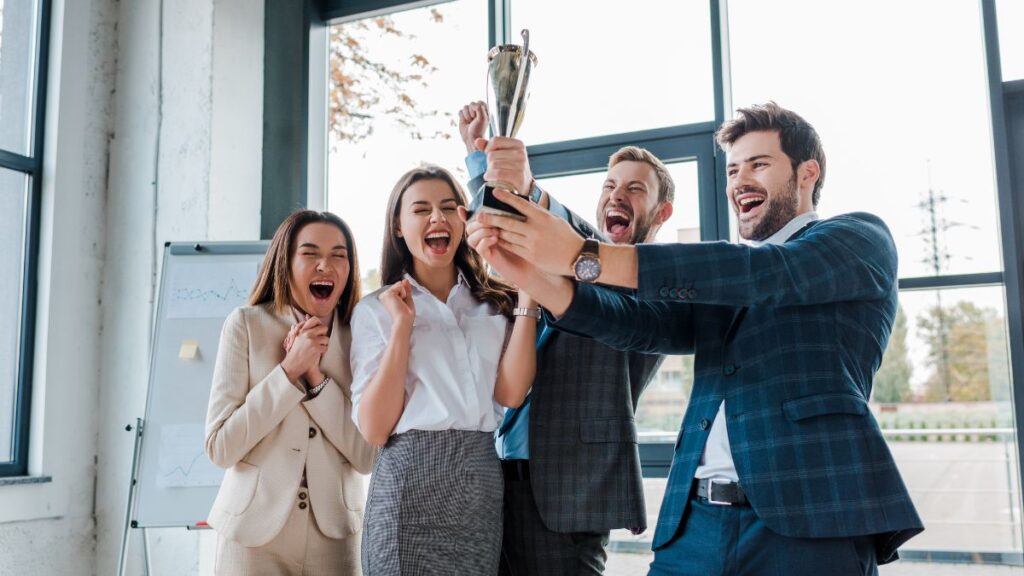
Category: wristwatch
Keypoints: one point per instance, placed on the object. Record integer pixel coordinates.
(587, 267)
(529, 312)
(535, 192)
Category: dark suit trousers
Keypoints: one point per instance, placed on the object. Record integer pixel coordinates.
(732, 541)
(528, 548)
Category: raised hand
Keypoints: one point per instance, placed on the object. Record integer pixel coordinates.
(472, 124)
(290, 337)
(540, 238)
(507, 162)
(485, 240)
(397, 300)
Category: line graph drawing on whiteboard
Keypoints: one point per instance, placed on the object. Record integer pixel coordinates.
(208, 289)
(183, 462)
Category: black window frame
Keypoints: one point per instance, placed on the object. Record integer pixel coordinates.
(32, 166)
(695, 141)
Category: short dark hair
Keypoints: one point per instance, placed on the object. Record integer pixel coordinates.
(799, 139)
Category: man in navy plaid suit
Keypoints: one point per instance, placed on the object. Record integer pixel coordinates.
(779, 466)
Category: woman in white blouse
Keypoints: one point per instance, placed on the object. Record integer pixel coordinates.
(433, 364)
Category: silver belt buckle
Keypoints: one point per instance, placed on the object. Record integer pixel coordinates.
(711, 498)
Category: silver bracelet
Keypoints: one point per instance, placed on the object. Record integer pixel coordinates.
(312, 392)
(529, 312)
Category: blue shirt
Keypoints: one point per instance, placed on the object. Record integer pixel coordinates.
(512, 439)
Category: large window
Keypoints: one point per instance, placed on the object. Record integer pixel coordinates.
(22, 62)
(903, 110)
(1011, 42)
(625, 70)
(397, 83)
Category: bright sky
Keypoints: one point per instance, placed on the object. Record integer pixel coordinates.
(900, 107)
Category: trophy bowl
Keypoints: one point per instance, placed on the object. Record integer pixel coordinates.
(508, 78)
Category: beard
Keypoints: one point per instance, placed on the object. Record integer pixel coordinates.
(781, 208)
(642, 224)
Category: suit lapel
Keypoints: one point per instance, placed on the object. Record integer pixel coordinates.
(737, 318)
(334, 362)
(738, 315)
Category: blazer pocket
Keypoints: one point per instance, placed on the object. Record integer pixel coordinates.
(597, 430)
(352, 493)
(239, 487)
(822, 404)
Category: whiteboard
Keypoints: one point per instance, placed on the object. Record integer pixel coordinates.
(200, 284)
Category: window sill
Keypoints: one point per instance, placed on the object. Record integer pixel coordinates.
(32, 498)
(16, 480)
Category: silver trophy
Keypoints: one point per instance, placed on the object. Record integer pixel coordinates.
(508, 78)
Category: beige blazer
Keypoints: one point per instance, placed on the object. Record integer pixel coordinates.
(260, 428)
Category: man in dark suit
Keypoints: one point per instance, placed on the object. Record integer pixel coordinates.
(570, 456)
(779, 466)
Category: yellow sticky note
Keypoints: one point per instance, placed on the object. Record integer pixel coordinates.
(189, 350)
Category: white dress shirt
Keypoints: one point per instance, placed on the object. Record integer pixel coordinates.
(716, 461)
(453, 359)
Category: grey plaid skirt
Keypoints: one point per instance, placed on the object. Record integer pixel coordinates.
(434, 506)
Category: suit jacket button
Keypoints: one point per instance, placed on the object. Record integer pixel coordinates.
(663, 292)
(729, 369)
(302, 495)
(691, 294)
(704, 423)
(302, 505)
(312, 432)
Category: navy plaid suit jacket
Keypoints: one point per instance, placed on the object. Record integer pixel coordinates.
(790, 336)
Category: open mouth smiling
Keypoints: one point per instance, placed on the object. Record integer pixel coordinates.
(617, 221)
(438, 241)
(749, 201)
(321, 289)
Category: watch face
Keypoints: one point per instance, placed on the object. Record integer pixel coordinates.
(587, 269)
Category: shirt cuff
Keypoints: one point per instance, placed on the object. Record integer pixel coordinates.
(555, 207)
(476, 164)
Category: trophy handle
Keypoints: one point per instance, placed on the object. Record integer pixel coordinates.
(523, 61)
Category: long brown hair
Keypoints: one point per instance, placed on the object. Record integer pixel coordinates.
(396, 259)
(272, 284)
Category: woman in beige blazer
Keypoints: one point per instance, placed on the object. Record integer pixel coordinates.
(280, 414)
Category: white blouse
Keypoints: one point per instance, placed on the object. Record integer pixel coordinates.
(453, 359)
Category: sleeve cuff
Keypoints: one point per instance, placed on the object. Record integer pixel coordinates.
(577, 318)
(476, 164)
(554, 206)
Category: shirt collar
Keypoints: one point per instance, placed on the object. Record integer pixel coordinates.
(792, 227)
(459, 281)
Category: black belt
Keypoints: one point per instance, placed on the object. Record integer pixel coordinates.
(516, 469)
(721, 492)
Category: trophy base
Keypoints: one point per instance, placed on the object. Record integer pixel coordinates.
(486, 202)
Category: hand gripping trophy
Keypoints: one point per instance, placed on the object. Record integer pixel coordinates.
(508, 76)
